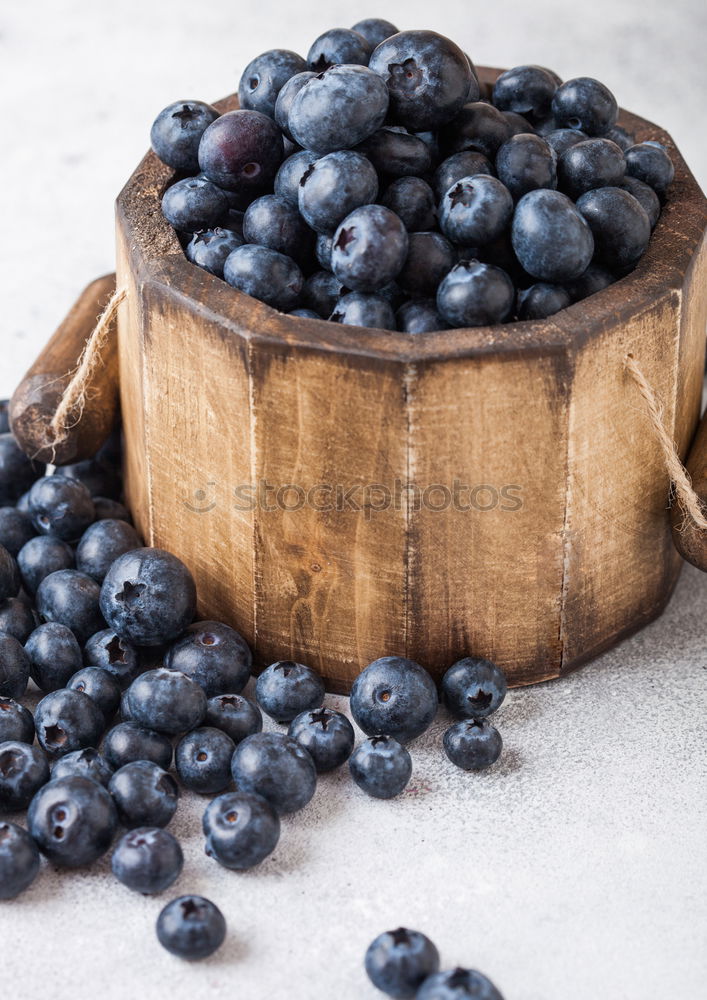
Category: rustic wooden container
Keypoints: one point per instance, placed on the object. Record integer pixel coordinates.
(219, 391)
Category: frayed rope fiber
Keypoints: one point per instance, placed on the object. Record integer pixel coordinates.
(72, 403)
(689, 500)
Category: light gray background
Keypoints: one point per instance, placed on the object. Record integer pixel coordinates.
(576, 867)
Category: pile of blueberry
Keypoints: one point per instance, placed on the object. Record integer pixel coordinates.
(138, 699)
(376, 183)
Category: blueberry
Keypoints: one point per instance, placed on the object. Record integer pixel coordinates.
(203, 760)
(87, 763)
(271, 222)
(333, 186)
(473, 688)
(413, 201)
(327, 736)
(398, 962)
(284, 689)
(147, 860)
(475, 294)
(338, 109)
(100, 686)
(381, 767)
(144, 794)
(148, 597)
(40, 557)
(264, 77)
(369, 250)
(518, 124)
(68, 720)
(54, 656)
(591, 164)
(24, 769)
(394, 152)
(465, 164)
(194, 203)
(214, 655)
(61, 507)
(241, 152)
(166, 701)
(526, 162)
(266, 275)
(428, 76)
(106, 507)
(17, 618)
(337, 46)
(621, 137)
(585, 104)
(360, 309)
(321, 292)
(650, 162)
(177, 131)
(419, 316)
(542, 300)
(394, 696)
(17, 472)
(72, 599)
(645, 196)
(375, 30)
(16, 530)
(290, 174)
(98, 475)
(277, 768)
(10, 582)
(16, 722)
(116, 656)
(14, 667)
(619, 224)
(209, 249)
(593, 280)
(101, 544)
(527, 90)
(550, 237)
(284, 102)
(72, 821)
(430, 257)
(458, 984)
(241, 830)
(322, 250)
(129, 741)
(475, 210)
(472, 744)
(191, 927)
(561, 139)
(235, 715)
(19, 860)
(479, 127)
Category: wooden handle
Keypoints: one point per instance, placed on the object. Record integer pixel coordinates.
(691, 540)
(36, 398)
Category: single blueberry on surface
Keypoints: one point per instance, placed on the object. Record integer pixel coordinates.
(233, 714)
(265, 274)
(338, 109)
(369, 250)
(16, 529)
(203, 760)
(214, 655)
(241, 830)
(14, 667)
(265, 76)
(19, 860)
(526, 90)
(394, 696)
(16, 722)
(476, 210)
(338, 46)
(72, 821)
(209, 248)
(72, 599)
(129, 741)
(277, 768)
(328, 736)
(241, 152)
(68, 720)
(177, 131)
(429, 258)
(54, 656)
(88, 763)
(650, 162)
(361, 309)
(42, 556)
(475, 294)
(473, 688)
(542, 300)
(586, 104)
(472, 744)
(148, 597)
(166, 701)
(191, 927)
(144, 794)
(333, 186)
(147, 860)
(398, 962)
(116, 656)
(24, 769)
(619, 224)
(458, 984)
(100, 686)
(284, 689)
(551, 239)
(194, 203)
(381, 767)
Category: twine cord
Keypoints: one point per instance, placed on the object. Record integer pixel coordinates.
(689, 500)
(71, 405)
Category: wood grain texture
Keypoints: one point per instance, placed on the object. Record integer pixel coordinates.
(35, 400)
(565, 545)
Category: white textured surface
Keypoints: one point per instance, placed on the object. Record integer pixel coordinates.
(575, 868)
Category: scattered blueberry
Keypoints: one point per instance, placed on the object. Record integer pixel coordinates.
(560, 139)
(591, 164)
(144, 794)
(40, 557)
(72, 821)
(87, 763)
(147, 860)
(54, 656)
(72, 599)
(19, 860)
(526, 162)
(214, 655)
(166, 701)
(476, 210)
(327, 736)
(23, 770)
(116, 656)
(284, 689)
(129, 741)
(468, 163)
(458, 984)
(16, 722)
(235, 715)
(381, 767)
(394, 696)
(203, 760)
(68, 720)
(398, 962)
(277, 768)
(241, 830)
(99, 475)
(100, 686)
(394, 152)
(283, 106)
(473, 688)
(473, 744)
(191, 927)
